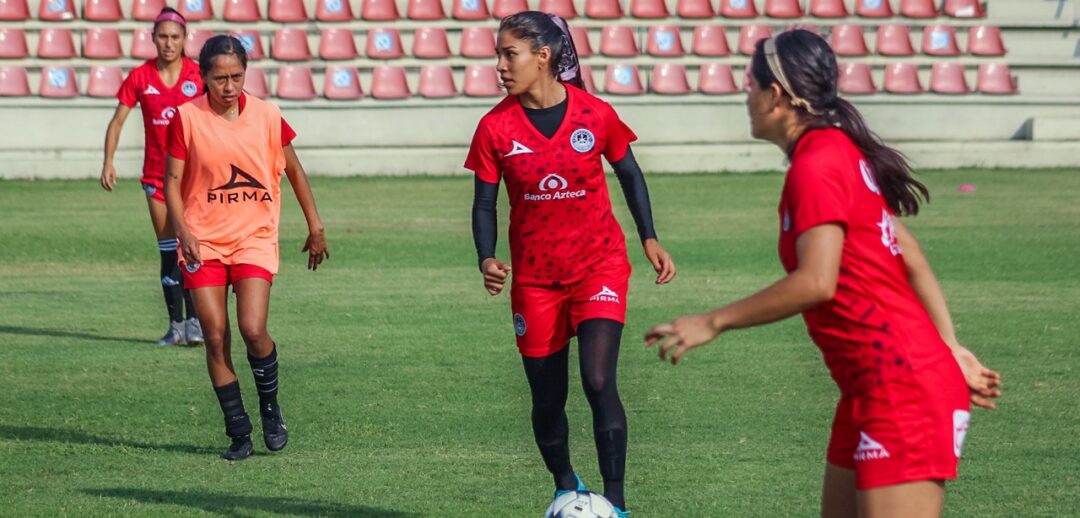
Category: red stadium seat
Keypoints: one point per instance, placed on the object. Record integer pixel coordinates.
(477, 42)
(14, 82)
(622, 80)
(604, 9)
(503, 8)
(55, 44)
(587, 79)
(255, 83)
(580, 36)
(471, 10)
(783, 9)
(918, 8)
(664, 40)
(828, 9)
(384, 44)
(964, 9)
(855, 79)
(195, 10)
(749, 35)
(431, 43)
(873, 8)
(13, 43)
(894, 40)
(287, 11)
(16, 11)
(333, 11)
(948, 78)
(241, 11)
(379, 10)
(717, 79)
(337, 44)
(902, 78)
(389, 83)
(295, 82)
(425, 10)
(711, 41)
(342, 83)
(669, 79)
(618, 41)
(695, 9)
(290, 45)
(848, 40)
(995, 78)
(563, 8)
(648, 9)
(57, 11)
(146, 10)
(985, 41)
(482, 81)
(940, 41)
(58, 82)
(142, 44)
(104, 81)
(738, 9)
(437, 82)
(252, 43)
(103, 10)
(196, 38)
(102, 43)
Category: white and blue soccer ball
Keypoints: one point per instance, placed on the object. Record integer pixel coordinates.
(580, 504)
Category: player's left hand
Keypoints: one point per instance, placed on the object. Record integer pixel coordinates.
(316, 249)
(661, 261)
(983, 384)
(681, 335)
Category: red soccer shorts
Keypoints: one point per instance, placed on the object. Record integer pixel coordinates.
(546, 317)
(215, 273)
(154, 192)
(905, 430)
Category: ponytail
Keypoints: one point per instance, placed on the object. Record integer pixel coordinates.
(548, 30)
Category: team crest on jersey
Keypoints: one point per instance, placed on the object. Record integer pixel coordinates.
(189, 88)
(518, 149)
(868, 177)
(192, 267)
(519, 324)
(582, 140)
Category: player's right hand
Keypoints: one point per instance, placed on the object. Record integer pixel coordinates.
(189, 248)
(108, 177)
(495, 274)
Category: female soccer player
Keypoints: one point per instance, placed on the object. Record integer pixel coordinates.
(869, 298)
(545, 140)
(223, 190)
(160, 85)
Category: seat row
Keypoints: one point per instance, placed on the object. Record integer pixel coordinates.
(287, 11)
(291, 44)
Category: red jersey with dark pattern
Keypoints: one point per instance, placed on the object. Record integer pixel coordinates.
(874, 329)
(560, 213)
(143, 85)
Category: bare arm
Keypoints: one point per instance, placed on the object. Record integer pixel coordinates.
(174, 205)
(112, 138)
(316, 241)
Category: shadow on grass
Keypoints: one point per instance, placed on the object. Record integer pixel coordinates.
(41, 434)
(55, 333)
(234, 505)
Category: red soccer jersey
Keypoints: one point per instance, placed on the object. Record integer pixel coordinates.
(875, 328)
(560, 213)
(159, 102)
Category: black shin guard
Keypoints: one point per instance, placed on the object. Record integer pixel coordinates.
(611, 452)
(172, 282)
(237, 423)
(266, 377)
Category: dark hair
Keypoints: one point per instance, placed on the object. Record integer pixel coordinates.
(809, 65)
(547, 30)
(220, 45)
(167, 9)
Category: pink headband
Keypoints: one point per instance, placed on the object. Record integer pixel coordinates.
(170, 17)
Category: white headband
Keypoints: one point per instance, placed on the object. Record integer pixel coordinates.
(773, 59)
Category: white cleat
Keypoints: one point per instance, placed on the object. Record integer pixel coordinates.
(174, 336)
(193, 332)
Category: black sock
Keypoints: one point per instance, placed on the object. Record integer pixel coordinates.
(189, 303)
(611, 452)
(237, 423)
(172, 282)
(266, 377)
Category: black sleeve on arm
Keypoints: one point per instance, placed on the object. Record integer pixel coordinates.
(484, 219)
(637, 194)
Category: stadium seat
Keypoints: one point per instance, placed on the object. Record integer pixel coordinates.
(196, 38)
(379, 10)
(985, 41)
(848, 40)
(918, 8)
(333, 11)
(287, 11)
(13, 43)
(669, 79)
(425, 10)
(902, 78)
(145, 10)
(102, 10)
(783, 9)
(241, 11)
(873, 8)
(664, 40)
(389, 83)
(142, 44)
(15, 11)
(337, 44)
(563, 8)
(104, 81)
(855, 79)
(195, 10)
(430, 43)
(384, 44)
(940, 41)
(102, 43)
(894, 40)
(470, 10)
(738, 9)
(695, 9)
(828, 9)
(587, 78)
(437, 82)
(295, 82)
(58, 82)
(503, 8)
(255, 83)
(717, 79)
(290, 45)
(57, 11)
(618, 41)
(477, 42)
(649, 9)
(711, 41)
(342, 83)
(580, 36)
(964, 9)
(603, 9)
(948, 78)
(995, 78)
(55, 44)
(482, 81)
(622, 80)
(749, 35)
(252, 43)
(14, 82)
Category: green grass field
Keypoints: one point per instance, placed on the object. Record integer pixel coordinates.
(404, 393)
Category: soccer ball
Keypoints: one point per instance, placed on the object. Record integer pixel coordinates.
(580, 504)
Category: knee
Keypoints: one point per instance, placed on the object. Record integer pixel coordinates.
(598, 385)
(253, 333)
(216, 340)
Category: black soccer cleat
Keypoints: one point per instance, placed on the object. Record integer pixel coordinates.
(240, 449)
(274, 432)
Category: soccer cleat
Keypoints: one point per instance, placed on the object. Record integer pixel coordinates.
(275, 434)
(580, 487)
(174, 336)
(622, 514)
(240, 449)
(193, 332)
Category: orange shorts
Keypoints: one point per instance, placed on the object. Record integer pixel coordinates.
(216, 273)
